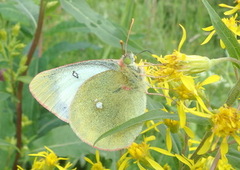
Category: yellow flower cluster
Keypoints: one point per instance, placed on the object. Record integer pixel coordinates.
(47, 160)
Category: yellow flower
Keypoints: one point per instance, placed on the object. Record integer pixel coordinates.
(232, 25)
(140, 153)
(226, 121)
(189, 90)
(226, 124)
(98, 165)
(186, 91)
(173, 73)
(172, 127)
(233, 9)
(174, 65)
(204, 163)
(181, 89)
(47, 160)
(172, 124)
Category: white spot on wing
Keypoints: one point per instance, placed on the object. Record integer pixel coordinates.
(99, 105)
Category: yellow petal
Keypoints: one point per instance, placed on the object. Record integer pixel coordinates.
(154, 164)
(165, 91)
(211, 79)
(140, 166)
(161, 151)
(152, 127)
(184, 160)
(197, 113)
(97, 156)
(222, 44)
(124, 156)
(224, 147)
(210, 28)
(208, 38)
(88, 160)
(124, 164)
(150, 138)
(237, 138)
(206, 146)
(201, 103)
(188, 83)
(225, 6)
(184, 36)
(182, 114)
(19, 167)
(48, 149)
(189, 132)
(230, 12)
(169, 140)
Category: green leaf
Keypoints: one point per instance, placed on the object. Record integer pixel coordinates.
(7, 126)
(4, 96)
(29, 9)
(68, 26)
(6, 145)
(234, 157)
(25, 79)
(233, 94)
(224, 33)
(152, 115)
(97, 24)
(62, 47)
(7, 151)
(13, 11)
(63, 141)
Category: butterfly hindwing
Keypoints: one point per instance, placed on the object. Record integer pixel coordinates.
(102, 103)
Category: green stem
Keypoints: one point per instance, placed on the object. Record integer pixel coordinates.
(195, 157)
(216, 159)
(233, 60)
(20, 84)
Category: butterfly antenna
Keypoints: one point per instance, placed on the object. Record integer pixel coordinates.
(129, 31)
(122, 46)
(144, 52)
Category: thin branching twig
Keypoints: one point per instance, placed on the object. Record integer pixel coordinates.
(20, 84)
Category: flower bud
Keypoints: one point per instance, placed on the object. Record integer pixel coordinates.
(173, 125)
(20, 46)
(15, 29)
(3, 35)
(196, 64)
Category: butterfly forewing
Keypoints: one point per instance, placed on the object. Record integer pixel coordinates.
(56, 88)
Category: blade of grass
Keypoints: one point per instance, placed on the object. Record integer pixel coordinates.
(97, 24)
(152, 115)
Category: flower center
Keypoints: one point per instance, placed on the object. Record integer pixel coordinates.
(226, 121)
(139, 151)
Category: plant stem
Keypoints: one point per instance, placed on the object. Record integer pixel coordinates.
(195, 157)
(20, 84)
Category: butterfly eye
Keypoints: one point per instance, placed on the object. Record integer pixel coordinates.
(128, 58)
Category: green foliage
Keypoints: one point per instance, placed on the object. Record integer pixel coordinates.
(76, 30)
(224, 33)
